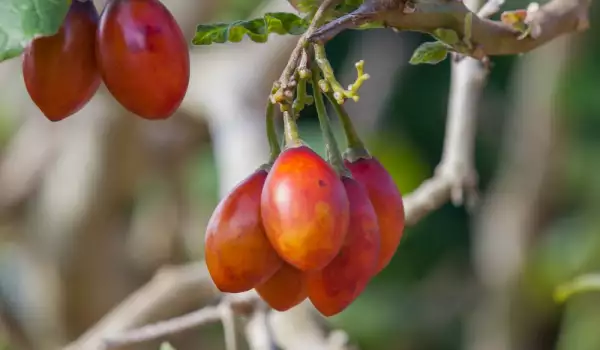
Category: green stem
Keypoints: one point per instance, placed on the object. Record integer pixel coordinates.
(321, 59)
(352, 137)
(339, 93)
(272, 133)
(333, 152)
(302, 99)
(290, 129)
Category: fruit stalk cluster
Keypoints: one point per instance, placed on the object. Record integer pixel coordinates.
(302, 226)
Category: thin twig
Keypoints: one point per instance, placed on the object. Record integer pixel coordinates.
(206, 315)
(209, 314)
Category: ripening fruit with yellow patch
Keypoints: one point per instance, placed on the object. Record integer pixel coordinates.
(305, 209)
(237, 252)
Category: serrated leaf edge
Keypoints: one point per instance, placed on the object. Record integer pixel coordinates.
(221, 32)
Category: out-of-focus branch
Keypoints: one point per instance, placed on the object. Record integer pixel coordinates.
(127, 324)
(551, 20)
(509, 215)
(208, 314)
(170, 287)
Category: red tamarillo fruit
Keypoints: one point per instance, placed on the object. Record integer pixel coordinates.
(143, 57)
(60, 71)
(237, 252)
(286, 289)
(304, 209)
(336, 286)
(387, 202)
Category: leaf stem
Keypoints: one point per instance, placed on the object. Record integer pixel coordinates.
(272, 133)
(333, 152)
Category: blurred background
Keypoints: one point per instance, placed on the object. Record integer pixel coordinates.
(92, 206)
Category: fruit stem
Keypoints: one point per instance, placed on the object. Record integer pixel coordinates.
(352, 137)
(290, 129)
(333, 152)
(356, 147)
(272, 133)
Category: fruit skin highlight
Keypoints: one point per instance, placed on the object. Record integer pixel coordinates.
(286, 289)
(387, 202)
(237, 252)
(305, 209)
(60, 71)
(143, 57)
(334, 288)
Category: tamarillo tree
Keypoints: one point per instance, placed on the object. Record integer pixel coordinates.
(300, 227)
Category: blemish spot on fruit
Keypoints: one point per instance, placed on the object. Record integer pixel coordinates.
(322, 183)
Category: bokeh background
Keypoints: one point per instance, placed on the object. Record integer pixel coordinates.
(92, 206)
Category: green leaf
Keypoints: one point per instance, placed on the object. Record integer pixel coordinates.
(447, 36)
(257, 30)
(430, 53)
(23, 20)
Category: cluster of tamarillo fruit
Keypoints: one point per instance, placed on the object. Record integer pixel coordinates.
(301, 227)
(135, 47)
